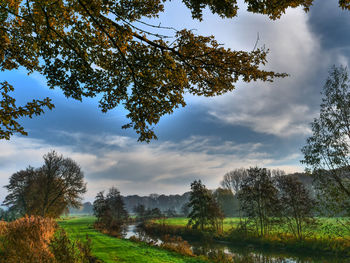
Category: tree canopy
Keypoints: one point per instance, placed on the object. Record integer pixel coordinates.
(105, 48)
(47, 191)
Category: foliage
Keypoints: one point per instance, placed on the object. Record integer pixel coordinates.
(259, 199)
(36, 239)
(10, 112)
(233, 180)
(163, 202)
(68, 251)
(145, 214)
(327, 150)
(140, 211)
(27, 239)
(170, 213)
(227, 201)
(8, 215)
(104, 49)
(297, 207)
(176, 244)
(204, 208)
(48, 190)
(324, 238)
(326, 227)
(110, 211)
(185, 209)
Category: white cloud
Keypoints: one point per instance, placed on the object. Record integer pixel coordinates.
(283, 108)
(138, 168)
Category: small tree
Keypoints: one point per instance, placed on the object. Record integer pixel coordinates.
(259, 199)
(297, 207)
(185, 209)
(110, 211)
(140, 211)
(204, 208)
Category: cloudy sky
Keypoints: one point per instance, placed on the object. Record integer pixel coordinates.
(259, 124)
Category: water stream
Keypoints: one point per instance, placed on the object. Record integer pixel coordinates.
(254, 254)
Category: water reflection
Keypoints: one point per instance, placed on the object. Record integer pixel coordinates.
(244, 254)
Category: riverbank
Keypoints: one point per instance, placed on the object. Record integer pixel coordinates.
(111, 249)
(316, 245)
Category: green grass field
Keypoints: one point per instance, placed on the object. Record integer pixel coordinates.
(110, 249)
(327, 227)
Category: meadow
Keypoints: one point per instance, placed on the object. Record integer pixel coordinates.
(111, 249)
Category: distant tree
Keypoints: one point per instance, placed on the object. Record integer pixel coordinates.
(204, 208)
(47, 191)
(8, 215)
(170, 212)
(259, 199)
(227, 201)
(154, 213)
(297, 205)
(140, 211)
(185, 209)
(85, 208)
(110, 211)
(327, 150)
(233, 179)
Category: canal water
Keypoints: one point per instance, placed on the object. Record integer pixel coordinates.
(249, 253)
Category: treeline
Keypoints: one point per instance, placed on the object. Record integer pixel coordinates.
(264, 198)
(176, 205)
(162, 202)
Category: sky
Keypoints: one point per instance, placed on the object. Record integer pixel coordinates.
(257, 124)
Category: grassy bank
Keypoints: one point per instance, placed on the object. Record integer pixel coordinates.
(110, 249)
(323, 239)
(326, 228)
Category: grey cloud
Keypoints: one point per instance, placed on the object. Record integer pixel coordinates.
(286, 107)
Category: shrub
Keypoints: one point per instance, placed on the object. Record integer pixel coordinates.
(27, 240)
(67, 251)
(39, 240)
(177, 244)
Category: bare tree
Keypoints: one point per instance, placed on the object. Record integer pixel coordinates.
(259, 199)
(298, 206)
(233, 179)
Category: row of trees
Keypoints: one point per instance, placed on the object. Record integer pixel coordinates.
(142, 213)
(264, 198)
(267, 197)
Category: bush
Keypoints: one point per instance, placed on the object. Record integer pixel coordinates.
(27, 240)
(67, 251)
(177, 244)
(39, 240)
